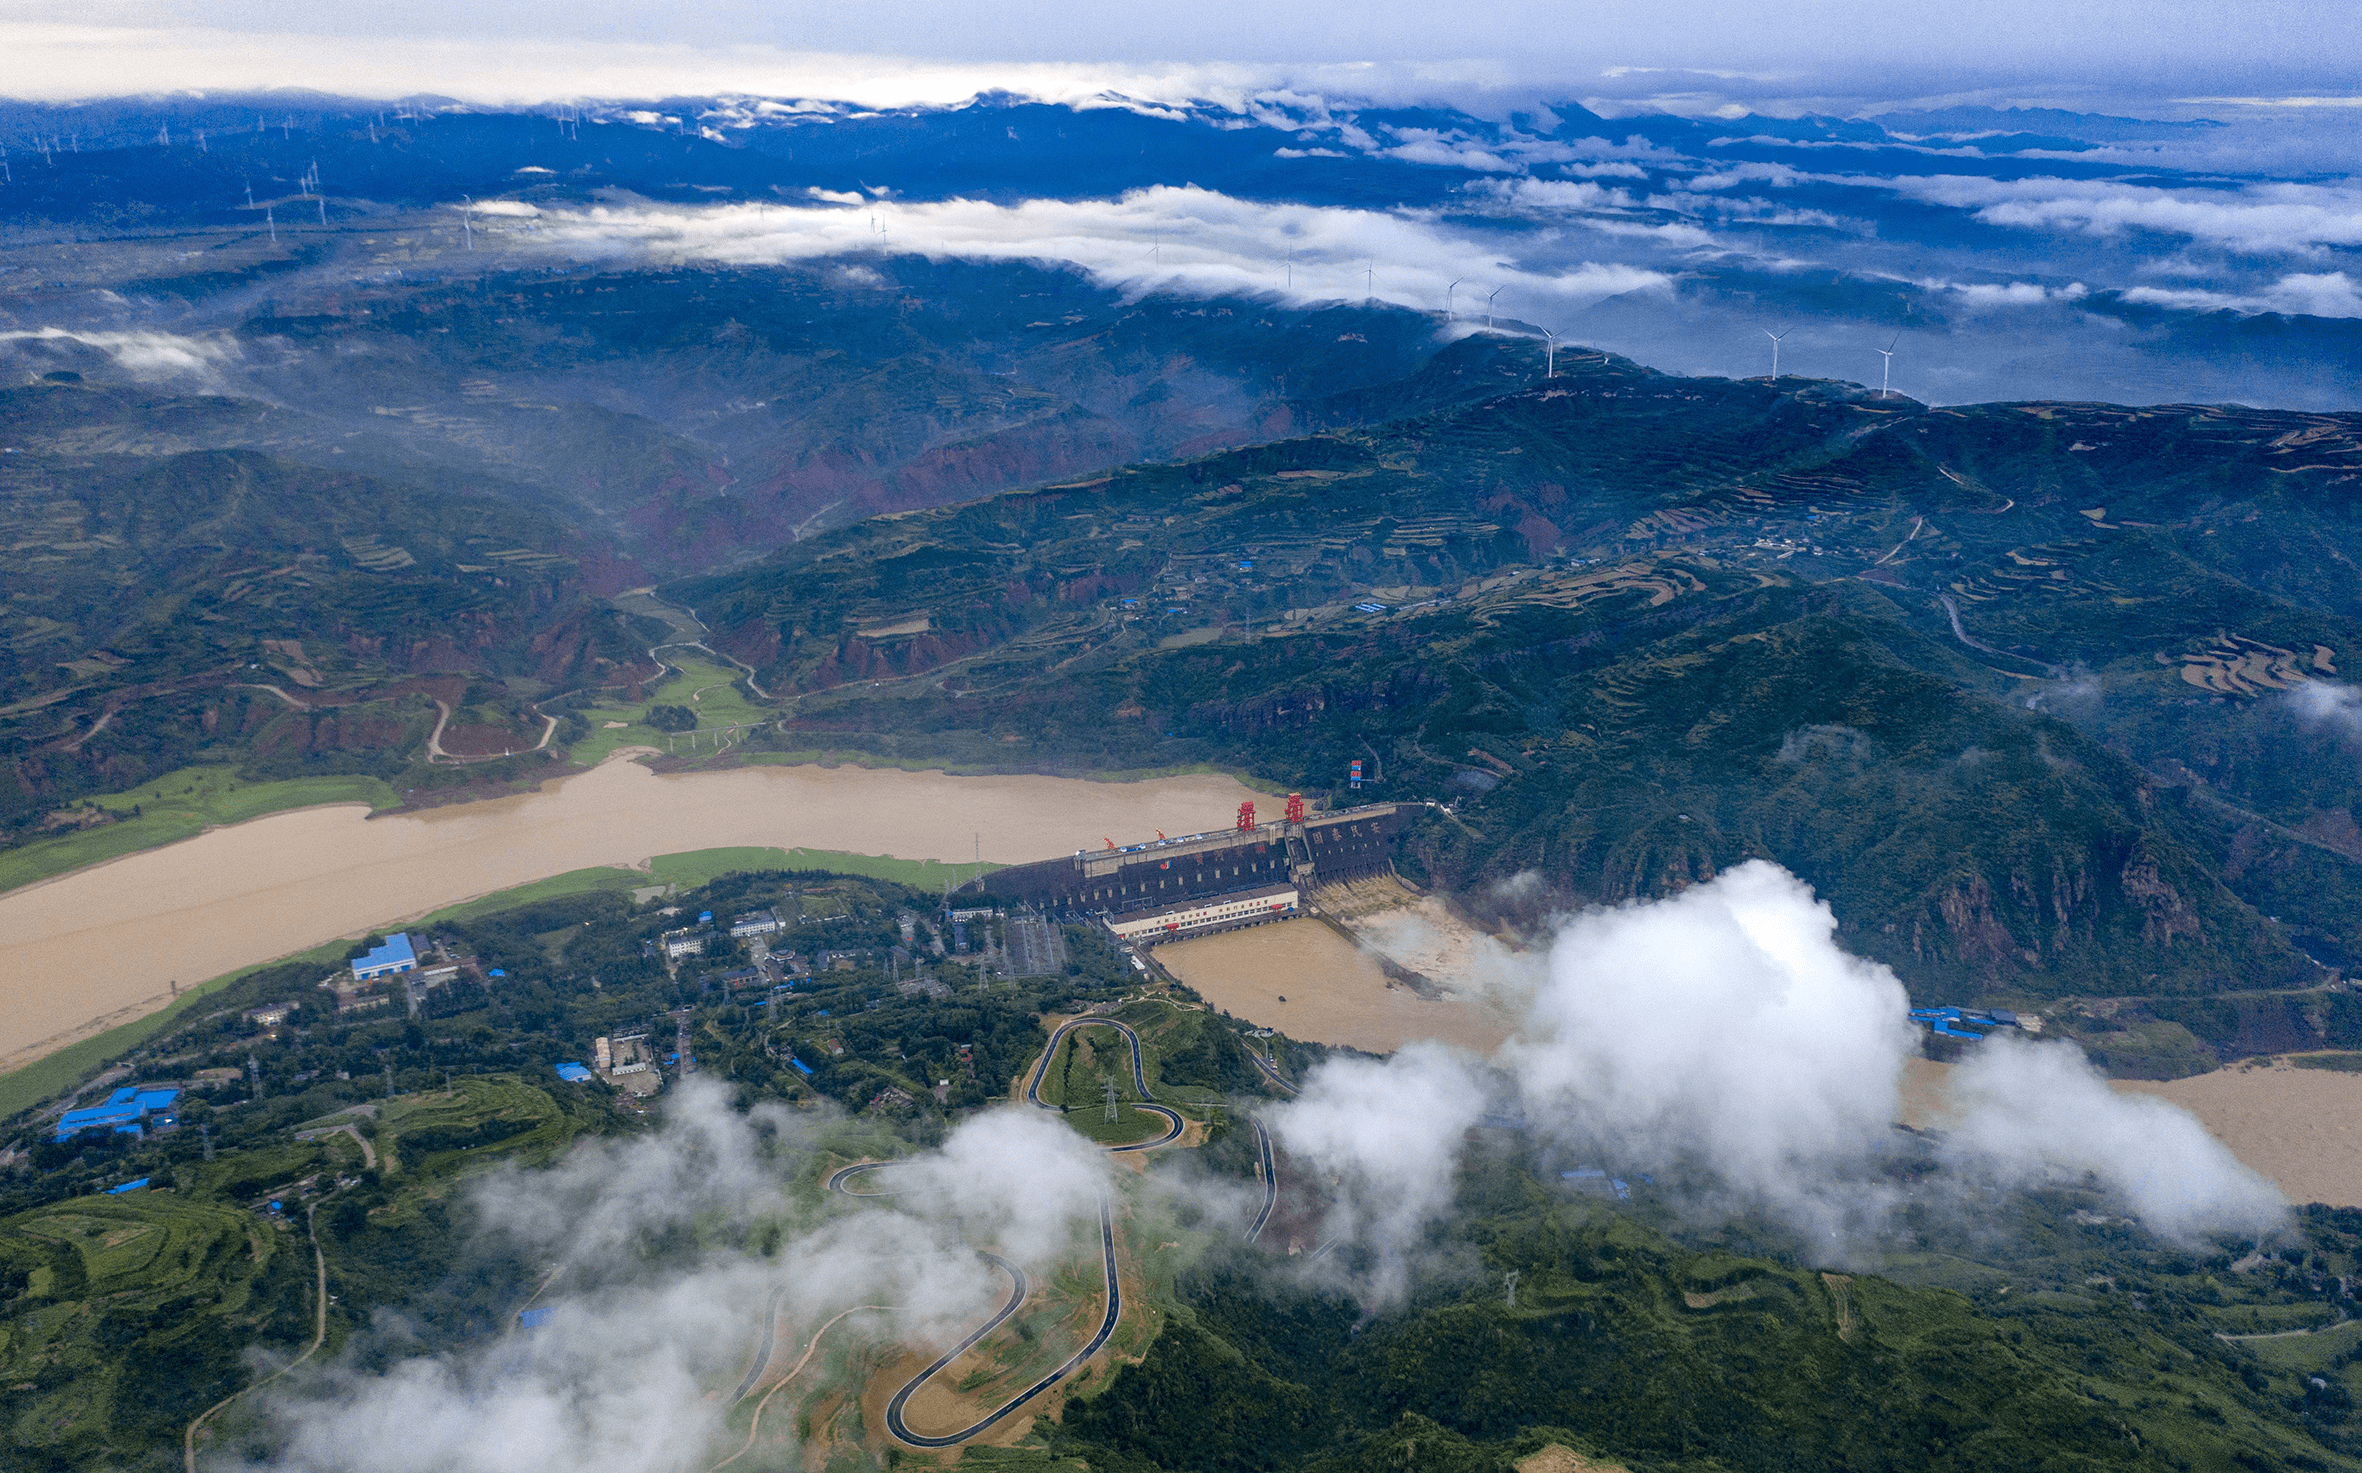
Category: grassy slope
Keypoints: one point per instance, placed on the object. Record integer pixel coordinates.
(704, 685)
(176, 1285)
(181, 805)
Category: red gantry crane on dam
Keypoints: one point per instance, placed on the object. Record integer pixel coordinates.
(1304, 848)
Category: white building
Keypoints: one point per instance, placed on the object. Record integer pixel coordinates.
(1214, 913)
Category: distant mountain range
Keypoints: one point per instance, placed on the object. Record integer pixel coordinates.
(2004, 252)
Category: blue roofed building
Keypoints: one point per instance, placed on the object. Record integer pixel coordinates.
(129, 1110)
(573, 1073)
(394, 957)
(1971, 1023)
(129, 1186)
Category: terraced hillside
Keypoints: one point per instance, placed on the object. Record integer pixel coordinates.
(167, 606)
(2015, 686)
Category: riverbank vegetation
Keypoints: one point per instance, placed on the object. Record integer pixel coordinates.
(2061, 1337)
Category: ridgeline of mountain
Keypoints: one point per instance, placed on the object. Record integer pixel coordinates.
(444, 480)
(1639, 628)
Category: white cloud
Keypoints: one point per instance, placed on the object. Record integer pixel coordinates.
(1778, 176)
(2321, 294)
(1387, 1136)
(2010, 293)
(1176, 240)
(625, 1368)
(1562, 195)
(1721, 1026)
(2028, 1113)
(2326, 703)
(146, 355)
(1722, 1040)
(2277, 217)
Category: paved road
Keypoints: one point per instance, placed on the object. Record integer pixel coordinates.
(1041, 1071)
(1270, 1073)
(754, 1372)
(1115, 1307)
(843, 1178)
(1270, 1169)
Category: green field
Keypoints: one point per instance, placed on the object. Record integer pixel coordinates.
(134, 1316)
(701, 683)
(699, 866)
(590, 881)
(176, 806)
(477, 1119)
(1173, 1042)
(2342, 1063)
(694, 867)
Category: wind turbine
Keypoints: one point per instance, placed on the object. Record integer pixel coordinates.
(1886, 371)
(1447, 297)
(270, 224)
(1369, 282)
(1488, 303)
(1550, 354)
(1775, 337)
(467, 221)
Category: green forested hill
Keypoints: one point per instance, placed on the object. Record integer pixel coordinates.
(165, 605)
(1569, 1325)
(1638, 628)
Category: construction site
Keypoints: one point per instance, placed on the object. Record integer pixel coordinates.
(1194, 884)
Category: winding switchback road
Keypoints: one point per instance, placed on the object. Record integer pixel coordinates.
(842, 1179)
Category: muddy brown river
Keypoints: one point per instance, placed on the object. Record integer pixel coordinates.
(101, 946)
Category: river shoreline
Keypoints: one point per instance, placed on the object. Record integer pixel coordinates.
(88, 944)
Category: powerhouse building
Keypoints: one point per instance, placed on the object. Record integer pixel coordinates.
(1321, 849)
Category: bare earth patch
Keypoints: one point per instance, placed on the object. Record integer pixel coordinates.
(1559, 1458)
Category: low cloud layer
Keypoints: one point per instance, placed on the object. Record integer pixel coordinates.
(641, 1330)
(1386, 1138)
(146, 355)
(1183, 241)
(2327, 705)
(1721, 1039)
(1722, 1027)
